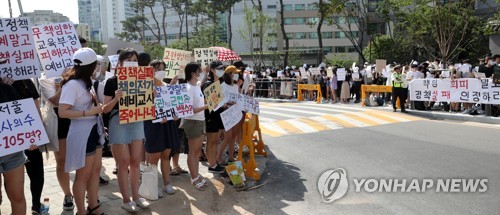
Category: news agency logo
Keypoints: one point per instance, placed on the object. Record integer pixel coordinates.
(332, 185)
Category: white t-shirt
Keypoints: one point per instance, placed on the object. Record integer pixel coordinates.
(74, 93)
(198, 101)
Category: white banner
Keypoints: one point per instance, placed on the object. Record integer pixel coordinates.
(172, 101)
(231, 117)
(20, 127)
(55, 44)
(341, 73)
(468, 90)
(17, 47)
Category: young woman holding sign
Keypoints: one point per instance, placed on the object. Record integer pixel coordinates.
(83, 149)
(126, 139)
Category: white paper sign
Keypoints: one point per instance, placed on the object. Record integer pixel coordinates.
(113, 60)
(302, 71)
(355, 75)
(55, 44)
(17, 47)
(315, 71)
(205, 56)
(445, 73)
(386, 73)
(176, 61)
(247, 103)
(231, 117)
(341, 73)
(21, 126)
(172, 101)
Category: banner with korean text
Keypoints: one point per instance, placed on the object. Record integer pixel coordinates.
(55, 44)
(21, 126)
(17, 48)
(231, 117)
(172, 101)
(468, 90)
(137, 102)
(176, 60)
(205, 56)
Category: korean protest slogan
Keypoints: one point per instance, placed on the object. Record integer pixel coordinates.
(173, 101)
(231, 117)
(17, 47)
(205, 56)
(55, 44)
(176, 61)
(137, 102)
(214, 95)
(21, 126)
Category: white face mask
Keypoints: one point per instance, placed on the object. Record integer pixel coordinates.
(492, 63)
(235, 77)
(130, 63)
(219, 73)
(202, 76)
(160, 75)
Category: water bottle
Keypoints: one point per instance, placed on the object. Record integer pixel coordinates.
(44, 210)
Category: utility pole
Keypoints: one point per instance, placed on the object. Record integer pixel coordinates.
(187, 33)
(10, 9)
(21, 12)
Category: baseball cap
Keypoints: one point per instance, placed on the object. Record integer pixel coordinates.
(232, 69)
(216, 65)
(100, 58)
(239, 64)
(84, 56)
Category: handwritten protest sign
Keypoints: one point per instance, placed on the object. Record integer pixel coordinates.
(315, 71)
(137, 102)
(113, 60)
(355, 75)
(21, 126)
(329, 72)
(205, 56)
(231, 117)
(468, 90)
(302, 71)
(176, 61)
(172, 101)
(247, 104)
(214, 95)
(380, 65)
(341, 73)
(55, 44)
(445, 73)
(17, 47)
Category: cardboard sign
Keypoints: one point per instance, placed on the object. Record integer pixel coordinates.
(55, 44)
(214, 96)
(205, 56)
(137, 102)
(172, 101)
(176, 61)
(17, 47)
(341, 73)
(380, 65)
(113, 60)
(114, 45)
(231, 117)
(21, 126)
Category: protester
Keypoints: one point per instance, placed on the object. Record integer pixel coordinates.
(333, 86)
(84, 141)
(345, 93)
(126, 140)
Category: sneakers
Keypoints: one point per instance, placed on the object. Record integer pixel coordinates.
(216, 169)
(68, 203)
(130, 207)
(169, 189)
(142, 203)
(160, 193)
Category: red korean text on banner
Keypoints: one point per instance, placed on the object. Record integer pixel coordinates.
(137, 102)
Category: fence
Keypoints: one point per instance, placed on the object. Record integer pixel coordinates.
(283, 88)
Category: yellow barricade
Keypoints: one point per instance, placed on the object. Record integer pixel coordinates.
(254, 144)
(375, 89)
(309, 87)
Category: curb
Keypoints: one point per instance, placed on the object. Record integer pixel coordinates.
(276, 100)
(456, 117)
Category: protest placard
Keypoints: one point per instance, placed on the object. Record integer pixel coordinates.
(176, 60)
(214, 95)
(380, 65)
(137, 102)
(369, 73)
(386, 73)
(231, 117)
(315, 71)
(247, 103)
(55, 44)
(21, 126)
(302, 71)
(341, 73)
(115, 44)
(468, 90)
(355, 75)
(17, 48)
(113, 60)
(172, 101)
(445, 73)
(329, 72)
(204, 56)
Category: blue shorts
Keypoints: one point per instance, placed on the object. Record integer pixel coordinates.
(12, 161)
(125, 133)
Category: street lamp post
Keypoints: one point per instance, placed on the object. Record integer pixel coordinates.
(187, 33)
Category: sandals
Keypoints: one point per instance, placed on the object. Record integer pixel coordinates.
(178, 170)
(103, 181)
(199, 183)
(90, 211)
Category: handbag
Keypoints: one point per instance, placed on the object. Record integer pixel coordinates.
(149, 184)
(50, 122)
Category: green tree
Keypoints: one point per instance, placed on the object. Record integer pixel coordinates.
(132, 31)
(390, 48)
(154, 49)
(199, 39)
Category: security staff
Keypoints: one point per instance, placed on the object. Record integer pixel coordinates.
(397, 89)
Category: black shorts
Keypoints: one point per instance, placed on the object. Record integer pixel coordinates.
(214, 122)
(62, 125)
(92, 142)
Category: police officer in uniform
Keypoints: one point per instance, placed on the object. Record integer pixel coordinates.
(397, 89)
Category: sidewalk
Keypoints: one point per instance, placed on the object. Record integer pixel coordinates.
(219, 197)
(456, 116)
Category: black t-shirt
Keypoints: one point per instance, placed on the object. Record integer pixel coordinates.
(26, 89)
(8, 93)
(110, 88)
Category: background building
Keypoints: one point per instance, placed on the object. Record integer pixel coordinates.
(89, 12)
(41, 17)
(83, 30)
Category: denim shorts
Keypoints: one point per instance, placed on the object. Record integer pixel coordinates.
(12, 161)
(124, 133)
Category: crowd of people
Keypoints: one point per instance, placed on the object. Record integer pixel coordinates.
(83, 104)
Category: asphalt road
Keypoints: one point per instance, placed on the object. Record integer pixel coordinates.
(422, 149)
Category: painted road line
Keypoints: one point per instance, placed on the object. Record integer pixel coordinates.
(304, 127)
(287, 126)
(352, 121)
(372, 118)
(266, 112)
(331, 109)
(345, 124)
(327, 123)
(296, 110)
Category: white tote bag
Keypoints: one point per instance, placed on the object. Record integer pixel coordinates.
(149, 185)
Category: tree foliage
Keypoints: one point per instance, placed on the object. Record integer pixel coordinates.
(199, 39)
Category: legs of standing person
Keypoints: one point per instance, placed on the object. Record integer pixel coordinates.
(394, 98)
(93, 184)
(193, 155)
(228, 138)
(14, 187)
(402, 98)
(62, 176)
(212, 141)
(80, 185)
(121, 153)
(165, 166)
(136, 151)
(34, 169)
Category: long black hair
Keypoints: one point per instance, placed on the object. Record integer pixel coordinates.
(83, 73)
(191, 68)
(127, 53)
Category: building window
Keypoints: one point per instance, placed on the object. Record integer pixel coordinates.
(300, 7)
(273, 20)
(339, 49)
(351, 49)
(339, 34)
(256, 49)
(339, 20)
(256, 35)
(300, 35)
(273, 48)
(271, 6)
(354, 34)
(313, 35)
(352, 19)
(287, 7)
(312, 20)
(272, 34)
(300, 21)
(289, 35)
(327, 35)
(312, 7)
(288, 21)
